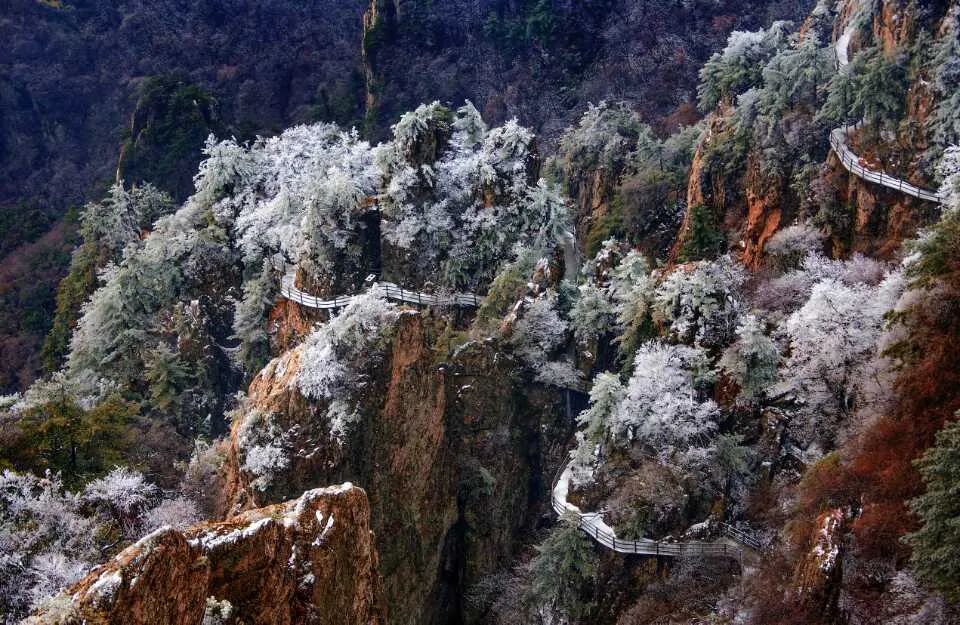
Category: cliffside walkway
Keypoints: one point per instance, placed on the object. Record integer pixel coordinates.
(735, 546)
(389, 290)
(853, 164)
(850, 160)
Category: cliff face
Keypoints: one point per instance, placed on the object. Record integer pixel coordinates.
(542, 61)
(310, 560)
(451, 453)
(750, 200)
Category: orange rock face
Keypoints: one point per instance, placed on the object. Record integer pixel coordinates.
(818, 573)
(310, 560)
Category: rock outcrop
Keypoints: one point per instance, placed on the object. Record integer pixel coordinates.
(454, 456)
(310, 560)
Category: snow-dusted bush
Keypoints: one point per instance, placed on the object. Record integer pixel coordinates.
(662, 407)
(329, 352)
(794, 243)
(788, 292)
(122, 495)
(45, 541)
(702, 304)
(559, 373)
(540, 331)
(262, 446)
(178, 513)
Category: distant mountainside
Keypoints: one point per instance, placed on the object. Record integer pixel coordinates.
(85, 83)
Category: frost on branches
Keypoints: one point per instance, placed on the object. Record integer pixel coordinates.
(701, 304)
(832, 337)
(50, 537)
(662, 407)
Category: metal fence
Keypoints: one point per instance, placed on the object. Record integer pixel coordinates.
(852, 162)
(389, 290)
(591, 524)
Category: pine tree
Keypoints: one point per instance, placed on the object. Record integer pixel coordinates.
(166, 375)
(936, 545)
(563, 570)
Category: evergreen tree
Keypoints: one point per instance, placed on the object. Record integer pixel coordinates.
(166, 376)
(563, 570)
(936, 545)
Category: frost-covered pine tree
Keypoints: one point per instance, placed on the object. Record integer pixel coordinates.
(605, 396)
(752, 360)
(662, 408)
(702, 304)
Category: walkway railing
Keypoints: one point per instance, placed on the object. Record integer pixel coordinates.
(592, 524)
(389, 290)
(852, 162)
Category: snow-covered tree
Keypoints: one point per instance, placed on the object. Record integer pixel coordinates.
(830, 338)
(752, 360)
(605, 396)
(662, 407)
(540, 331)
(115, 222)
(564, 564)
(250, 317)
(593, 313)
(701, 304)
(166, 375)
(739, 66)
(330, 350)
(227, 164)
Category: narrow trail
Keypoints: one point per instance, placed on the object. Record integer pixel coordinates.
(389, 290)
(839, 138)
(736, 544)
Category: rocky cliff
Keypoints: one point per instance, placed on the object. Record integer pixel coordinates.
(454, 456)
(310, 560)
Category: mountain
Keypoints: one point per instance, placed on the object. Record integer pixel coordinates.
(93, 90)
(628, 371)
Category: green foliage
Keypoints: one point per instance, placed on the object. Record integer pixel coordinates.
(166, 377)
(172, 120)
(874, 89)
(340, 102)
(250, 318)
(507, 287)
(730, 457)
(705, 239)
(936, 545)
(79, 444)
(564, 569)
(73, 291)
(937, 252)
